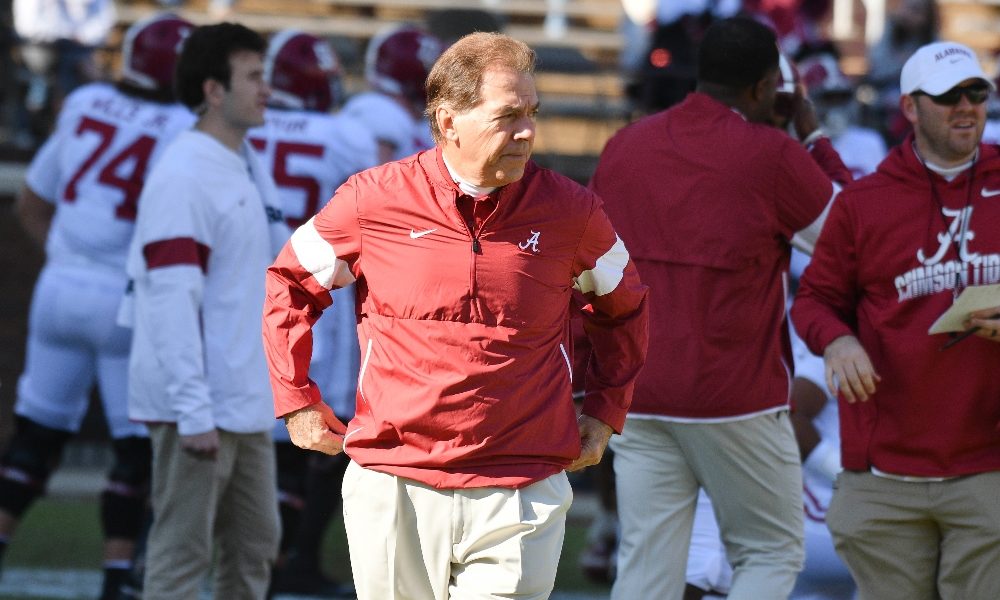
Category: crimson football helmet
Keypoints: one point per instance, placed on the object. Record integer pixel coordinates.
(832, 91)
(150, 50)
(398, 61)
(822, 75)
(303, 72)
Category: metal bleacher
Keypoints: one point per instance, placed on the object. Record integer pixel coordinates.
(975, 23)
(579, 85)
(578, 78)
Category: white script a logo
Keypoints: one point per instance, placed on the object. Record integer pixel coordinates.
(936, 274)
(531, 242)
(958, 231)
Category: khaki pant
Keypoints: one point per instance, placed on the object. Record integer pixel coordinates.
(919, 540)
(409, 541)
(230, 500)
(752, 473)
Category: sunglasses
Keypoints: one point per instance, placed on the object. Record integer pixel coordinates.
(977, 93)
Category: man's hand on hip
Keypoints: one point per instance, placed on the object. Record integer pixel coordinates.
(315, 427)
(594, 436)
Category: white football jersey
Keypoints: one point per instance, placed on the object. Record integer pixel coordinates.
(310, 154)
(390, 123)
(93, 167)
(85, 21)
(861, 149)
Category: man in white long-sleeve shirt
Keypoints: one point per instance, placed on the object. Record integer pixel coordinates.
(209, 224)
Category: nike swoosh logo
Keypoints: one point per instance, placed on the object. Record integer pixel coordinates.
(416, 234)
(988, 193)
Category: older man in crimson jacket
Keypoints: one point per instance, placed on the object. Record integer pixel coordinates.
(916, 513)
(465, 259)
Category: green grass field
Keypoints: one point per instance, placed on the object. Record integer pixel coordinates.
(59, 533)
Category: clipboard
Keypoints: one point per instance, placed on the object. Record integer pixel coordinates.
(972, 298)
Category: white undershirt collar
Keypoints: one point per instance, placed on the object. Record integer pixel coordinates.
(948, 173)
(469, 188)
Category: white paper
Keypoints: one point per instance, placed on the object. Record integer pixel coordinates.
(971, 299)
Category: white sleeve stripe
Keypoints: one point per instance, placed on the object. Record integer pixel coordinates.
(316, 255)
(805, 240)
(607, 272)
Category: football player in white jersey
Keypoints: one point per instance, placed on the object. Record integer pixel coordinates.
(79, 199)
(311, 152)
(397, 62)
(861, 148)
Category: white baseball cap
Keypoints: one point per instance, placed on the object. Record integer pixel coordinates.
(936, 68)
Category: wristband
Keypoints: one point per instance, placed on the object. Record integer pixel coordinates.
(812, 137)
(824, 460)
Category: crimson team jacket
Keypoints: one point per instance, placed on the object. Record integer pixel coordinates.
(885, 269)
(707, 203)
(465, 378)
